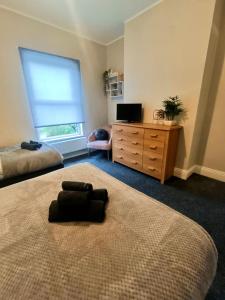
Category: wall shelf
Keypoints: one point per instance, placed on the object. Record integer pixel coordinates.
(115, 86)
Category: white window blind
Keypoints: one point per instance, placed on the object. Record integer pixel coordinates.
(54, 88)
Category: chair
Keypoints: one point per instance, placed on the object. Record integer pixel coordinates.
(100, 145)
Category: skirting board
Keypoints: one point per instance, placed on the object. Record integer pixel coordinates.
(212, 173)
(183, 173)
(201, 170)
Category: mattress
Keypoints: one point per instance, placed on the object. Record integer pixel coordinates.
(143, 250)
(15, 161)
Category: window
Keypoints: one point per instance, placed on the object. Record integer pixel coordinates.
(54, 90)
(60, 131)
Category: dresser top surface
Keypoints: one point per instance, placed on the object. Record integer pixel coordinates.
(149, 126)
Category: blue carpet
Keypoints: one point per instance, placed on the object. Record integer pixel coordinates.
(199, 198)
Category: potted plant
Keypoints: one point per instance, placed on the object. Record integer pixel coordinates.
(173, 106)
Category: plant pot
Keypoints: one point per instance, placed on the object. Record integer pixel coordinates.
(170, 122)
(158, 122)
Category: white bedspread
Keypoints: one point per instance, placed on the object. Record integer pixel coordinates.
(143, 250)
(15, 161)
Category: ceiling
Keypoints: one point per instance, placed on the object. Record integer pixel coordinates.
(99, 20)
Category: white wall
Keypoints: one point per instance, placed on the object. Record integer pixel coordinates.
(212, 72)
(15, 30)
(164, 55)
(115, 61)
(213, 155)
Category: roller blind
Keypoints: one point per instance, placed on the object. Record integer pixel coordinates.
(54, 88)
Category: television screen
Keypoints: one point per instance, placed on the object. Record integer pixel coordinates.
(129, 112)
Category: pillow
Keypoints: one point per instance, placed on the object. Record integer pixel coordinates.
(101, 134)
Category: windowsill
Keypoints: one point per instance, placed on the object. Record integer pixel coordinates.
(62, 139)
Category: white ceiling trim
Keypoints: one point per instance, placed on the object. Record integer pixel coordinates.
(50, 24)
(77, 33)
(113, 41)
(143, 11)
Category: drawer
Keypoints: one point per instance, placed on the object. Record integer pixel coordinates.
(130, 162)
(154, 146)
(155, 135)
(134, 143)
(153, 159)
(119, 140)
(128, 131)
(132, 153)
(152, 170)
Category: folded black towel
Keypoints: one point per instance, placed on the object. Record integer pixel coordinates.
(28, 146)
(36, 143)
(95, 213)
(74, 200)
(100, 194)
(97, 194)
(76, 186)
(56, 216)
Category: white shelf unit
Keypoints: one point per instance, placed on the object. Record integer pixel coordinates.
(115, 88)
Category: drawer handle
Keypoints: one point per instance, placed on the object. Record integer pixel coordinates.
(121, 148)
(154, 135)
(153, 147)
(119, 130)
(151, 169)
(134, 162)
(134, 143)
(120, 139)
(120, 157)
(134, 153)
(152, 158)
(135, 132)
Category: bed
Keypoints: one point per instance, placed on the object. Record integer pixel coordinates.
(15, 162)
(143, 250)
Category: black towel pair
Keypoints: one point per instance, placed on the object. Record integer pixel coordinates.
(32, 145)
(78, 202)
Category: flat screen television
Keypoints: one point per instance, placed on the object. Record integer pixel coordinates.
(129, 112)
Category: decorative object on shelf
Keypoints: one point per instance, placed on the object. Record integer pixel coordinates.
(113, 83)
(173, 106)
(158, 116)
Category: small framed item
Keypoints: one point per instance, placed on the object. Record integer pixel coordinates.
(158, 116)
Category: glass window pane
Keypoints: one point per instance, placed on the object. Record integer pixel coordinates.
(60, 131)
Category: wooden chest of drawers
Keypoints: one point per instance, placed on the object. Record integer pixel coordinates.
(148, 148)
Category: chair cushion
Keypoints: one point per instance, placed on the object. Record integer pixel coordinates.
(101, 145)
(101, 134)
